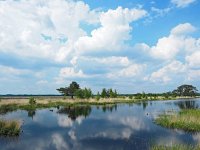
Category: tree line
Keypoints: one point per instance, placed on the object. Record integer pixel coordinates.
(85, 93)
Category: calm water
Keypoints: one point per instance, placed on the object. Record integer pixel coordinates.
(114, 127)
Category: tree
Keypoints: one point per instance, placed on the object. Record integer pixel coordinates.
(111, 93)
(98, 96)
(185, 90)
(104, 93)
(83, 93)
(138, 96)
(79, 93)
(87, 93)
(115, 94)
(69, 91)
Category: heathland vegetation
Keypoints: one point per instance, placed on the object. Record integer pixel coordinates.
(9, 128)
(186, 119)
(176, 147)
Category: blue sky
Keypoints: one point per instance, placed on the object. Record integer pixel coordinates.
(131, 46)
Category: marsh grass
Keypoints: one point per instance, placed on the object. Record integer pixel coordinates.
(176, 147)
(8, 108)
(9, 128)
(187, 119)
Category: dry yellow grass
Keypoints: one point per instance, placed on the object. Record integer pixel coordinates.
(51, 100)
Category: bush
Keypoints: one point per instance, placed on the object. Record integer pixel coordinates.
(83, 93)
(32, 101)
(130, 96)
(138, 96)
(108, 93)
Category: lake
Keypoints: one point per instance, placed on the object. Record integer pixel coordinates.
(122, 126)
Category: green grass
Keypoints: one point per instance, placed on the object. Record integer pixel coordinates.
(176, 147)
(8, 108)
(9, 128)
(187, 120)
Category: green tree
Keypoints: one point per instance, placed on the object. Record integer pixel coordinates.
(185, 90)
(87, 93)
(138, 96)
(69, 91)
(83, 93)
(111, 93)
(166, 95)
(79, 93)
(143, 95)
(104, 93)
(98, 96)
(115, 94)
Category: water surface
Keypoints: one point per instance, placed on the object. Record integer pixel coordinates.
(122, 126)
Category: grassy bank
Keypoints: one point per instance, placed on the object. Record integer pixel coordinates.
(9, 128)
(187, 119)
(46, 100)
(176, 147)
(9, 105)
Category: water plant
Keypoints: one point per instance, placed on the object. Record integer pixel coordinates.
(9, 128)
(186, 119)
(176, 147)
(8, 108)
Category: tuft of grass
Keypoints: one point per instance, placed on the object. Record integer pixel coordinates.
(9, 128)
(8, 108)
(187, 119)
(176, 147)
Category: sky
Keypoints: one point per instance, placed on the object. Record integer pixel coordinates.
(128, 45)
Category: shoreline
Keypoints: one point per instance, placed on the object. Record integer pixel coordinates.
(91, 101)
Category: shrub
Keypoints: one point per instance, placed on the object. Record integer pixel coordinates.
(98, 96)
(130, 96)
(83, 93)
(32, 101)
(138, 96)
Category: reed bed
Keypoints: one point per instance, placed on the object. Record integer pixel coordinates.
(187, 119)
(176, 147)
(9, 128)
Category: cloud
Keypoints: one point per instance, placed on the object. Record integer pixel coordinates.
(128, 72)
(64, 121)
(10, 71)
(119, 134)
(35, 29)
(112, 61)
(114, 31)
(59, 142)
(183, 29)
(163, 74)
(68, 72)
(182, 3)
(193, 59)
(160, 12)
(179, 40)
(194, 75)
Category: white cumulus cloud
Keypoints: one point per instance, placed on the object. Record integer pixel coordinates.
(179, 40)
(114, 31)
